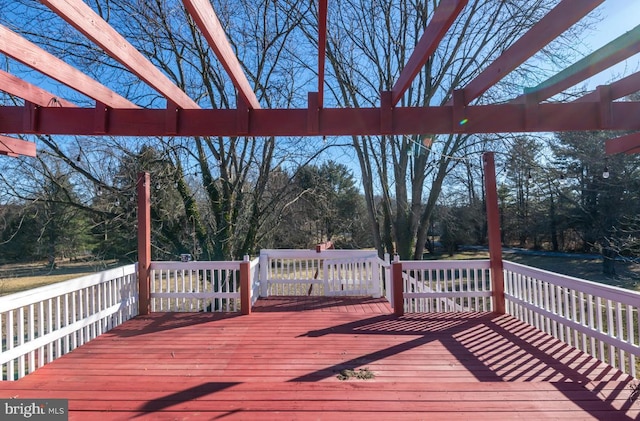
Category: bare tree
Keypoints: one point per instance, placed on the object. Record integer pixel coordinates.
(369, 42)
(222, 182)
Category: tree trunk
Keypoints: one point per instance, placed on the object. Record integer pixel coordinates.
(608, 261)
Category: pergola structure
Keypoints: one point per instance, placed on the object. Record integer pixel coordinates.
(113, 115)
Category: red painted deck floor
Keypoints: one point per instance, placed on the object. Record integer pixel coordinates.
(283, 362)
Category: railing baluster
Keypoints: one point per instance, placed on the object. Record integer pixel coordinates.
(21, 321)
(583, 320)
(619, 334)
(599, 310)
(50, 317)
(630, 339)
(610, 332)
(566, 313)
(31, 336)
(11, 371)
(591, 308)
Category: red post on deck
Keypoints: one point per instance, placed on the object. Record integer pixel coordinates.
(245, 287)
(396, 282)
(495, 240)
(144, 243)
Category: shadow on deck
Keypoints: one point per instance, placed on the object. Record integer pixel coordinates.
(284, 360)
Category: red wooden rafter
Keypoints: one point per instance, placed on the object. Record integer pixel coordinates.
(31, 55)
(554, 23)
(443, 17)
(618, 89)
(16, 147)
(25, 90)
(614, 52)
(322, 48)
(206, 19)
(629, 144)
(85, 20)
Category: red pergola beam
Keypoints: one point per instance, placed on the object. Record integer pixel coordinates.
(322, 48)
(554, 23)
(85, 20)
(614, 52)
(498, 118)
(16, 147)
(442, 19)
(628, 144)
(205, 17)
(31, 55)
(621, 88)
(23, 89)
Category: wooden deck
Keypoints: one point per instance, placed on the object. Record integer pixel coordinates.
(283, 362)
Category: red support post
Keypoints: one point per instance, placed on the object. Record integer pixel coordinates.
(396, 282)
(144, 243)
(495, 240)
(327, 245)
(245, 287)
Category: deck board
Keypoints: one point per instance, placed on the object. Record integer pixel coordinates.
(283, 362)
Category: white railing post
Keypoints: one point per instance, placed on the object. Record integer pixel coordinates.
(375, 278)
(264, 274)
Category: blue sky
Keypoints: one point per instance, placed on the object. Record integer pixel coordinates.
(619, 16)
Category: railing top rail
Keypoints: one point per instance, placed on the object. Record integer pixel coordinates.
(617, 294)
(35, 295)
(312, 254)
(445, 264)
(196, 265)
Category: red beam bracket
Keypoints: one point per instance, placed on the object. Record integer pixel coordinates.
(31, 119)
(101, 118)
(173, 116)
(531, 110)
(313, 113)
(459, 114)
(242, 117)
(386, 112)
(604, 100)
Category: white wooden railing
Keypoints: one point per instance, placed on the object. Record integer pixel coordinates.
(598, 319)
(45, 323)
(324, 273)
(195, 286)
(446, 285)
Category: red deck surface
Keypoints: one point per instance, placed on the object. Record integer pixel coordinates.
(282, 362)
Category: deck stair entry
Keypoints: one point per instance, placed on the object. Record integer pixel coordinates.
(324, 273)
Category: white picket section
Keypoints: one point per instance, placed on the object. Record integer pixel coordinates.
(329, 272)
(358, 276)
(598, 319)
(195, 286)
(446, 285)
(42, 324)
